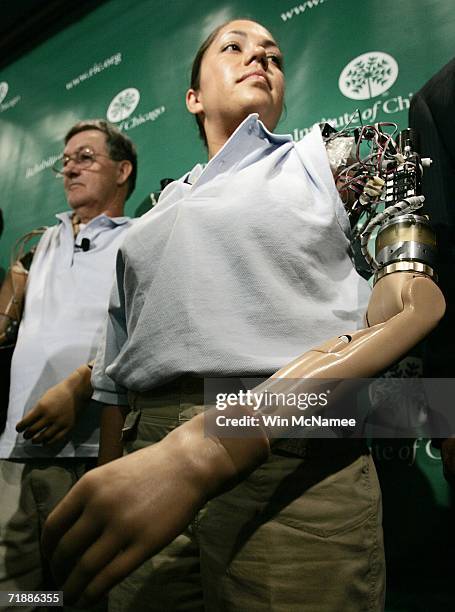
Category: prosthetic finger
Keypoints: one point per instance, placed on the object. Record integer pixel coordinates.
(100, 568)
(58, 437)
(34, 415)
(57, 540)
(34, 429)
(83, 535)
(46, 436)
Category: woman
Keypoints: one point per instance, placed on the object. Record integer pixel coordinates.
(241, 266)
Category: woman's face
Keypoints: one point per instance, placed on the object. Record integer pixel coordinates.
(240, 74)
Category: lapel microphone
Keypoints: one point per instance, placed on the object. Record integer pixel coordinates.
(85, 244)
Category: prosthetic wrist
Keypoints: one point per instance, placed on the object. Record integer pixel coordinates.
(79, 383)
(214, 463)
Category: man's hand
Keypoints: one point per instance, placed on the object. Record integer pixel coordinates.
(122, 513)
(448, 459)
(55, 414)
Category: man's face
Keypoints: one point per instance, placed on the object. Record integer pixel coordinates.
(90, 190)
(241, 71)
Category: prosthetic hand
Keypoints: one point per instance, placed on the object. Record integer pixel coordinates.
(55, 414)
(120, 514)
(95, 541)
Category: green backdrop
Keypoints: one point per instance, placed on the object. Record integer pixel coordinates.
(130, 60)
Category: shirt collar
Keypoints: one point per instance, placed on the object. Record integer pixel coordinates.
(194, 174)
(103, 219)
(246, 137)
(250, 136)
(253, 125)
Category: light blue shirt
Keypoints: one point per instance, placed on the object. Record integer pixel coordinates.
(66, 302)
(243, 265)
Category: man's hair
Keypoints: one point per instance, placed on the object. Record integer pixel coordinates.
(119, 146)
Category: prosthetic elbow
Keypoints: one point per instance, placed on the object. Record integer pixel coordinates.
(379, 180)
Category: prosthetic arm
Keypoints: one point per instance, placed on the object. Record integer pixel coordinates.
(406, 304)
(12, 291)
(95, 542)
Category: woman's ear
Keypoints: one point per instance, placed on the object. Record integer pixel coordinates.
(194, 102)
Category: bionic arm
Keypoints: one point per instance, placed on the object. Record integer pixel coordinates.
(95, 541)
(406, 304)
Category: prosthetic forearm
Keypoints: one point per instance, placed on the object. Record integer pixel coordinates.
(404, 308)
(12, 290)
(12, 294)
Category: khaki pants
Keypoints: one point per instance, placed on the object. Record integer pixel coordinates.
(29, 491)
(300, 534)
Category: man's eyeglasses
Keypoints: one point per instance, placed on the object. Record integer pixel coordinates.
(84, 158)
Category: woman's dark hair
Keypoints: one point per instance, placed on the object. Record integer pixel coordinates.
(119, 146)
(196, 72)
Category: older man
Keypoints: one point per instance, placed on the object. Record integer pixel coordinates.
(51, 436)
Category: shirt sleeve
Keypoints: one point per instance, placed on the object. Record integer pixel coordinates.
(312, 152)
(114, 337)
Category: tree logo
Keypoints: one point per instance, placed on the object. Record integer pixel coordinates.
(123, 104)
(3, 90)
(368, 75)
